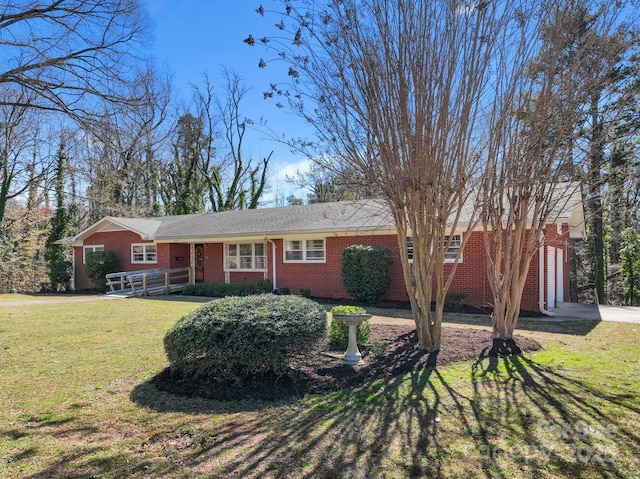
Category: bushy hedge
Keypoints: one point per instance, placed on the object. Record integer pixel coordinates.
(98, 264)
(60, 275)
(222, 290)
(238, 337)
(453, 301)
(339, 330)
(366, 272)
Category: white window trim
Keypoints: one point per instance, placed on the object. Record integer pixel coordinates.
(304, 251)
(227, 262)
(453, 260)
(446, 260)
(92, 248)
(145, 261)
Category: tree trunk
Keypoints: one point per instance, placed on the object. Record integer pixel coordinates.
(595, 200)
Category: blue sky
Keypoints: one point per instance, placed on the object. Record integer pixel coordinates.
(192, 37)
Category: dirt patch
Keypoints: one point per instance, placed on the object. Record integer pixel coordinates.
(392, 350)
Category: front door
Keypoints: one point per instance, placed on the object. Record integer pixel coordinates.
(199, 266)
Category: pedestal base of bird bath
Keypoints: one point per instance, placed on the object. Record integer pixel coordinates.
(352, 356)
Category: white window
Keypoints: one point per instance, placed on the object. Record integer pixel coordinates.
(311, 250)
(90, 249)
(144, 253)
(454, 248)
(246, 257)
(449, 256)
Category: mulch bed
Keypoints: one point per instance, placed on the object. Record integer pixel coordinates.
(402, 355)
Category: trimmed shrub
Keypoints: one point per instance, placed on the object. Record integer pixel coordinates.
(366, 272)
(222, 290)
(453, 301)
(238, 337)
(339, 330)
(305, 292)
(264, 286)
(98, 264)
(284, 290)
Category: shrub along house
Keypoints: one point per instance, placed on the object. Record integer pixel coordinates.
(300, 247)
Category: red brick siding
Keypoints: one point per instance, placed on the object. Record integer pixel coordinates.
(325, 279)
(120, 243)
(176, 252)
(470, 275)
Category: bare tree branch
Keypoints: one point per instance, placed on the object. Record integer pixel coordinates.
(71, 55)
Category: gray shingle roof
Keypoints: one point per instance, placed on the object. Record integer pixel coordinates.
(363, 216)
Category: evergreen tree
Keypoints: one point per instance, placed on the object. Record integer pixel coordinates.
(57, 255)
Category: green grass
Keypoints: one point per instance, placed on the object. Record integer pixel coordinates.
(76, 402)
(6, 298)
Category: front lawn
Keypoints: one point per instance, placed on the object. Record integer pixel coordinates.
(76, 402)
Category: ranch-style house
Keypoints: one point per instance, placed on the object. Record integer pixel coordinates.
(300, 247)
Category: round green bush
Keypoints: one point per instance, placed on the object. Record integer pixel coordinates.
(98, 264)
(339, 330)
(237, 337)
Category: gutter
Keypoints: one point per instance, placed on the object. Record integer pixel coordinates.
(541, 283)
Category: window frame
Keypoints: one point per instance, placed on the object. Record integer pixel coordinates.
(93, 249)
(304, 250)
(145, 253)
(452, 251)
(239, 256)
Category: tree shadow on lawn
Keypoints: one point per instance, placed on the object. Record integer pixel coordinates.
(514, 415)
(85, 456)
(545, 420)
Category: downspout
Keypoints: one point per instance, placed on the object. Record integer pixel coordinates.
(541, 282)
(273, 259)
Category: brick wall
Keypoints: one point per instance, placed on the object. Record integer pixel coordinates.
(120, 243)
(325, 279)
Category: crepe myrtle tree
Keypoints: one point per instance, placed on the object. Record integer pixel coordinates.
(561, 55)
(410, 124)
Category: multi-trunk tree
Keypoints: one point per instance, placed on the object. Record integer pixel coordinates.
(393, 90)
(533, 170)
(449, 109)
(122, 152)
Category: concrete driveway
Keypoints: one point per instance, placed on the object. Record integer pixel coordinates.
(598, 312)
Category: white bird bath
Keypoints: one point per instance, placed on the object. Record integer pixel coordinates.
(352, 356)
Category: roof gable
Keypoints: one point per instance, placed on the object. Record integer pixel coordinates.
(145, 227)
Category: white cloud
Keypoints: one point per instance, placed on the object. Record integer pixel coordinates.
(278, 186)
